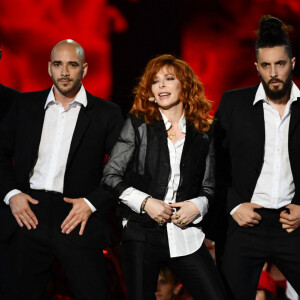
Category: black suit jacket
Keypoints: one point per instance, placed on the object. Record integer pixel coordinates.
(240, 141)
(96, 131)
(141, 159)
(7, 97)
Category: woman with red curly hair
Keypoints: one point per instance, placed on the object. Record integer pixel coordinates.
(162, 170)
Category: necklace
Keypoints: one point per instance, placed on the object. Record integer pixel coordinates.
(171, 135)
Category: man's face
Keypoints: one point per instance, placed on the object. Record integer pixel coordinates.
(275, 69)
(66, 69)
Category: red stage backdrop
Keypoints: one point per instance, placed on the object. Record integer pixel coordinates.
(217, 39)
(29, 29)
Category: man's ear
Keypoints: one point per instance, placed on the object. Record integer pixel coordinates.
(85, 69)
(49, 69)
(293, 61)
(256, 65)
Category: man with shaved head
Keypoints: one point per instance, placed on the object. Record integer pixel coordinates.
(59, 138)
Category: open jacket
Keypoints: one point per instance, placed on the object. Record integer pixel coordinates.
(96, 131)
(240, 142)
(140, 159)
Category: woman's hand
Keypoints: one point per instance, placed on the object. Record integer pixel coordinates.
(158, 210)
(186, 214)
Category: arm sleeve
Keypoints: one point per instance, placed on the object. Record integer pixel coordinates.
(121, 156)
(11, 194)
(7, 142)
(100, 198)
(92, 207)
(202, 205)
(133, 198)
(223, 170)
(208, 182)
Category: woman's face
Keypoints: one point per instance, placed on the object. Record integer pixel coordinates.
(166, 289)
(166, 89)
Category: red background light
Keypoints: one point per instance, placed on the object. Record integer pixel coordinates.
(216, 38)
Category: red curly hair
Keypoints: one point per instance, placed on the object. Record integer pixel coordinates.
(196, 106)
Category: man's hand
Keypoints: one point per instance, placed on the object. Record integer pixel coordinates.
(79, 213)
(158, 210)
(245, 215)
(290, 221)
(186, 214)
(21, 210)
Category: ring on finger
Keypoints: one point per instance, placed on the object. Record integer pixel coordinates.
(177, 216)
(161, 222)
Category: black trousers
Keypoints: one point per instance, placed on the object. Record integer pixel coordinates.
(84, 266)
(247, 249)
(10, 260)
(144, 250)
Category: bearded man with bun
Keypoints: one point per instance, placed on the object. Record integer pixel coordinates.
(258, 168)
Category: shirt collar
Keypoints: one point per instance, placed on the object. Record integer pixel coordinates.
(80, 98)
(261, 94)
(181, 124)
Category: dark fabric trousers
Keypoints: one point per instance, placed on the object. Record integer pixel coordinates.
(9, 268)
(144, 250)
(84, 267)
(247, 249)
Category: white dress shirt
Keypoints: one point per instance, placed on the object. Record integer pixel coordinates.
(275, 186)
(181, 241)
(58, 128)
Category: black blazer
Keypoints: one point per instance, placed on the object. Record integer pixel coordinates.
(7, 97)
(97, 128)
(141, 159)
(240, 141)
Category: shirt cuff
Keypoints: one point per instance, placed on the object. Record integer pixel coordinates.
(92, 207)
(11, 194)
(202, 204)
(233, 211)
(133, 198)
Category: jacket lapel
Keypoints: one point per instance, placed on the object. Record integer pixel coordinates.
(190, 138)
(258, 122)
(295, 115)
(82, 124)
(160, 132)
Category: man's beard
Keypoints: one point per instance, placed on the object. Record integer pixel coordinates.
(276, 93)
(65, 91)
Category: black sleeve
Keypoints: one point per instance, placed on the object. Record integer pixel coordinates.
(7, 140)
(122, 154)
(100, 197)
(208, 182)
(223, 169)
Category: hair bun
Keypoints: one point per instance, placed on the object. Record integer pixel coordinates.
(269, 23)
(272, 32)
(270, 29)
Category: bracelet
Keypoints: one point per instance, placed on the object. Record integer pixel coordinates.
(144, 203)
